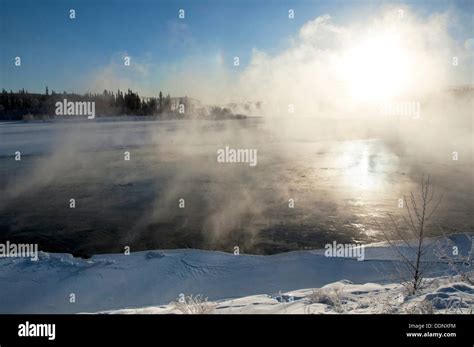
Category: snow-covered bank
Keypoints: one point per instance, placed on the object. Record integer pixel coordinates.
(442, 295)
(155, 278)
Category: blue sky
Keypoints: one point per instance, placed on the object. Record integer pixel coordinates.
(63, 53)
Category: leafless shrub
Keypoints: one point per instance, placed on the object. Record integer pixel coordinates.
(460, 266)
(331, 298)
(193, 305)
(418, 213)
(389, 305)
(420, 307)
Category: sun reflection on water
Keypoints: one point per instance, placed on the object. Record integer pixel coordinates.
(361, 166)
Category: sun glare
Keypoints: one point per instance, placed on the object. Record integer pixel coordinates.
(376, 69)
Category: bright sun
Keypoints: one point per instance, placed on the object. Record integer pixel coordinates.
(376, 69)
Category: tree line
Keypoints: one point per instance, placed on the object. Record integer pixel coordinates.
(24, 105)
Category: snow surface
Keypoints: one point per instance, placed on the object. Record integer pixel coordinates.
(147, 282)
(443, 295)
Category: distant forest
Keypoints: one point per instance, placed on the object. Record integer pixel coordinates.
(22, 105)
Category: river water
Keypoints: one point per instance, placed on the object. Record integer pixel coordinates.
(313, 184)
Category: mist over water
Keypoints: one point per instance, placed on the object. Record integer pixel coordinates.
(344, 176)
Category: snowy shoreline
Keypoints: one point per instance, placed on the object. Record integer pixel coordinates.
(443, 295)
(153, 279)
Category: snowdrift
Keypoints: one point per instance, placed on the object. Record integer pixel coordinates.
(107, 283)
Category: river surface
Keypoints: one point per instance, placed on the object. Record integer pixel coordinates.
(308, 188)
